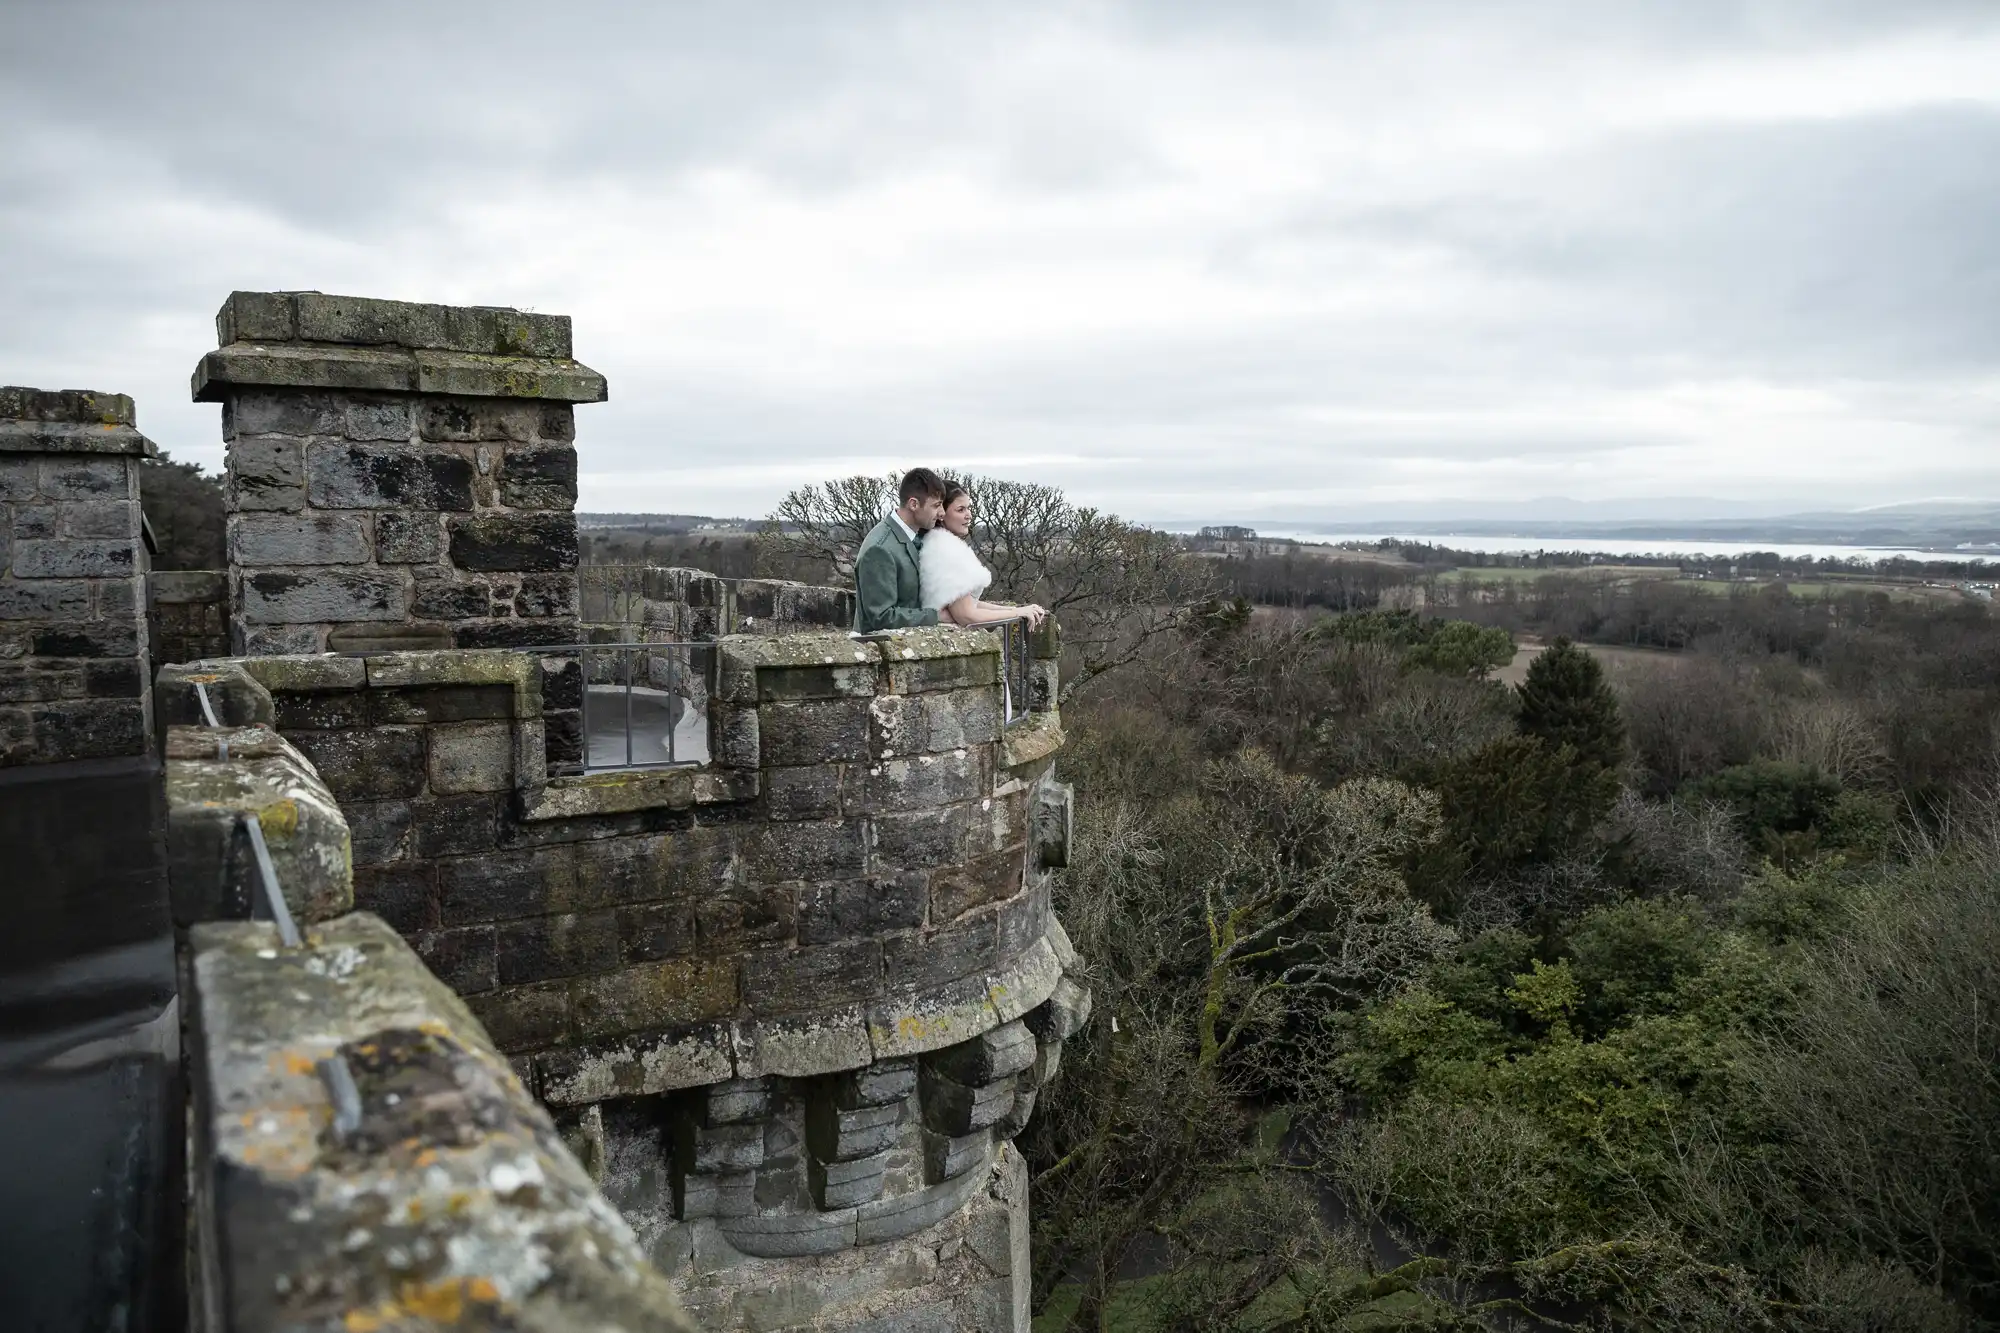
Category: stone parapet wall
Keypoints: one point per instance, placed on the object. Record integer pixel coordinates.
(791, 1003)
(73, 648)
(398, 475)
(669, 603)
(441, 1196)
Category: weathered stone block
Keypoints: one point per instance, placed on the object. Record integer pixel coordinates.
(803, 793)
(372, 765)
(546, 595)
(404, 896)
(958, 889)
(987, 1058)
(892, 785)
(1062, 1015)
(101, 639)
(538, 477)
(952, 1108)
(101, 518)
(440, 597)
(463, 959)
(36, 522)
(947, 1156)
(828, 731)
(845, 1184)
(524, 1018)
(273, 597)
(883, 1083)
(456, 825)
(813, 850)
(378, 419)
(474, 420)
(739, 1101)
(49, 599)
(543, 948)
(499, 886)
(968, 949)
(943, 673)
(650, 996)
(86, 479)
(524, 543)
(823, 1041)
(305, 539)
(471, 756)
(714, 1148)
(284, 412)
(1022, 920)
(65, 559)
(844, 909)
(927, 723)
(836, 1135)
(266, 474)
(656, 930)
(363, 476)
(788, 981)
(685, 1057)
(20, 480)
(441, 703)
(408, 538)
(743, 915)
(637, 870)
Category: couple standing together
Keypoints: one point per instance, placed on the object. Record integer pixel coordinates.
(915, 567)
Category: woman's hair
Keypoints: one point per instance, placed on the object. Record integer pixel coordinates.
(951, 494)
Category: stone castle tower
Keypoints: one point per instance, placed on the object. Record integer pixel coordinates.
(787, 1005)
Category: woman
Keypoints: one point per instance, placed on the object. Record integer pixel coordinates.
(952, 576)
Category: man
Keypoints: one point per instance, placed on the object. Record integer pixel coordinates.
(885, 569)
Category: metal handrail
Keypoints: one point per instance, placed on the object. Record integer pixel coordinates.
(1004, 626)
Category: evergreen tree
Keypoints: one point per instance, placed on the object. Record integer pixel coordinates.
(1566, 701)
(184, 506)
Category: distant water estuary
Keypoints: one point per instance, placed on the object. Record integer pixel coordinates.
(1656, 546)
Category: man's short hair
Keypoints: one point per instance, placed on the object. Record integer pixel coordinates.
(920, 482)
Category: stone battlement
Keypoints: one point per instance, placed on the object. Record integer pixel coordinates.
(783, 1009)
(795, 1000)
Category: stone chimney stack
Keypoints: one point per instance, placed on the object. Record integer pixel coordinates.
(399, 475)
(73, 680)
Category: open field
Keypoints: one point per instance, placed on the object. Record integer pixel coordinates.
(1612, 655)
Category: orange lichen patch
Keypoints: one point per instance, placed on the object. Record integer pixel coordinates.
(435, 1028)
(442, 1302)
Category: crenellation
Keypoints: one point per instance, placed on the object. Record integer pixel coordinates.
(74, 678)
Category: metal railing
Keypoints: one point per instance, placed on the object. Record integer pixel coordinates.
(1014, 661)
(645, 705)
(333, 1071)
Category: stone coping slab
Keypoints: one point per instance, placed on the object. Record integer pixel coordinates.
(443, 1197)
(394, 370)
(316, 317)
(215, 776)
(42, 437)
(806, 1045)
(621, 791)
(76, 407)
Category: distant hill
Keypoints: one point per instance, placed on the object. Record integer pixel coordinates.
(670, 524)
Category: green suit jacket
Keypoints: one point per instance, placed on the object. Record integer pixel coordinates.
(885, 577)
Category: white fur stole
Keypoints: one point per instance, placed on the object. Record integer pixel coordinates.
(949, 569)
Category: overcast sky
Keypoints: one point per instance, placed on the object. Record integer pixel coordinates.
(1191, 260)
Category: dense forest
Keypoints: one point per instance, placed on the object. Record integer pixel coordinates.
(1654, 991)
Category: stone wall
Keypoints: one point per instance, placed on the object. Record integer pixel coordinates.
(790, 1005)
(190, 615)
(73, 653)
(656, 603)
(398, 475)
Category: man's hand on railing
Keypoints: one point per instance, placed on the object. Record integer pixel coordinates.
(1034, 615)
